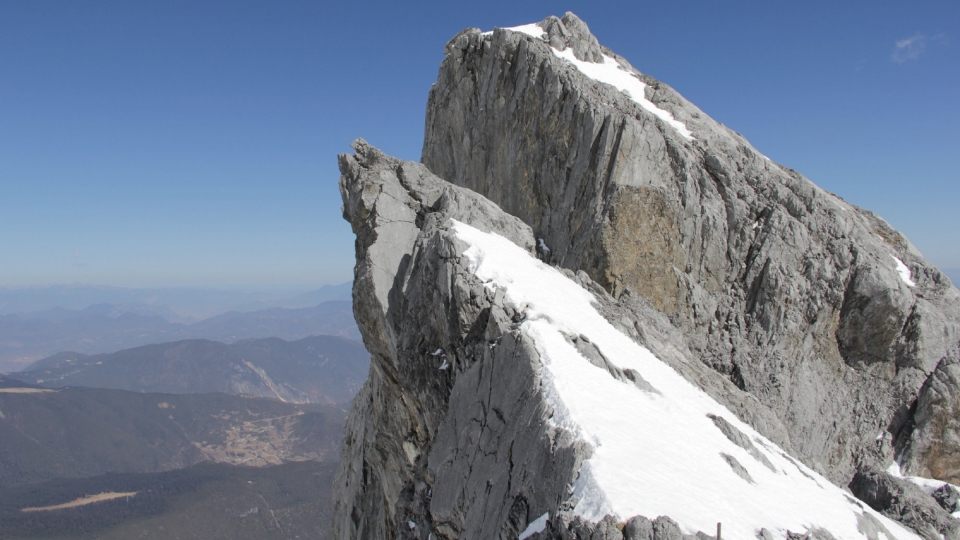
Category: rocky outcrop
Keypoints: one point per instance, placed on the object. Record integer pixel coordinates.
(813, 321)
(448, 437)
(570, 527)
(816, 308)
(900, 500)
(455, 433)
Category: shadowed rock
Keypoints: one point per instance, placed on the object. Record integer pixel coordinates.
(905, 502)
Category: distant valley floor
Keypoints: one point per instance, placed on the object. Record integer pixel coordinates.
(205, 501)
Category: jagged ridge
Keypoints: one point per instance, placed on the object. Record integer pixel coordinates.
(786, 293)
(818, 308)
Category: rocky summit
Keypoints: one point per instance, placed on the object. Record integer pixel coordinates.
(594, 312)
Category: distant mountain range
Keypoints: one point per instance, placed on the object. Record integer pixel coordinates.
(78, 432)
(181, 304)
(315, 369)
(174, 434)
(105, 328)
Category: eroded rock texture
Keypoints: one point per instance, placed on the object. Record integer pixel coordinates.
(449, 436)
(787, 291)
(905, 502)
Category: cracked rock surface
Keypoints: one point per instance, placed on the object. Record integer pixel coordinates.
(905, 502)
(449, 436)
(793, 295)
(811, 319)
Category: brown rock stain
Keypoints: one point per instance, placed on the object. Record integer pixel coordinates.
(941, 460)
(642, 246)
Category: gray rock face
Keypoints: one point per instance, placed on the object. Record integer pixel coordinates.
(449, 436)
(788, 292)
(904, 502)
(796, 303)
(935, 444)
(566, 526)
(947, 497)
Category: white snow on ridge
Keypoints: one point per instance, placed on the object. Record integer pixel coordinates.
(904, 272)
(654, 453)
(533, 30)
(611, 73)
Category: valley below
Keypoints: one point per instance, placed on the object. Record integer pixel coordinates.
(185, 439)
(207, 500)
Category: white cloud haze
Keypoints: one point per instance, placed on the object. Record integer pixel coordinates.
(909, 48)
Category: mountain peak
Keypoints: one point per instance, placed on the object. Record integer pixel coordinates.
(807, 324)
(571, 32)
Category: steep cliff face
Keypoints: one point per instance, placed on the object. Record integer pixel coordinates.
(818, 309)
(508, 398)
(449, 435)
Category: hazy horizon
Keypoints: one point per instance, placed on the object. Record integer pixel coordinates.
(176, 304)
(222, 286)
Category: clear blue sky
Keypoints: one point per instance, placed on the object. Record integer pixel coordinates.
(194, 143)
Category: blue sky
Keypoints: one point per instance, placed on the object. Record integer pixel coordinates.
(194, 143)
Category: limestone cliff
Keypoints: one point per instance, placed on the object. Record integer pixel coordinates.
(445, 436)
(720, 313)
(471, 425)
(819, 309)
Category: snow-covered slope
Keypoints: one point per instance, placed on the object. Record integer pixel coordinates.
(664, 447)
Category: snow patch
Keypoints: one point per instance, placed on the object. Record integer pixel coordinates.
(533, 30)
(654, 453)
(542, 245)
(904, 272)
(612, 73)
(535, 526)
(609, 72)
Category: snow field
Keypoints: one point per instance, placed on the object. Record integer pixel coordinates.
(655, 453)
